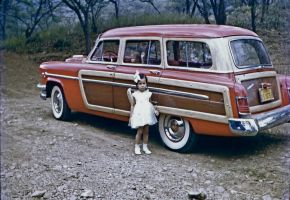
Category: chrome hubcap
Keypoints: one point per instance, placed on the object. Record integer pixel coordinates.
(57, 101)
(174, 128)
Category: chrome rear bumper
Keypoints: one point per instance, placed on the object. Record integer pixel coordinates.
(260, 122)
(42, 91)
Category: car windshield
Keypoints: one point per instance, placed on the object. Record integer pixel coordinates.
(249, 53)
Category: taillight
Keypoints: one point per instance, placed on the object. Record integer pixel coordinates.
(243, 105)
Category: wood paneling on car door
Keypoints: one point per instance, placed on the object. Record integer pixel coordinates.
(97, 89)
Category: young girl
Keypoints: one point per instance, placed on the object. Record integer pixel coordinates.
(142, 112)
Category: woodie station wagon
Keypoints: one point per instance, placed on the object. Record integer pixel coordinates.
(206, 79)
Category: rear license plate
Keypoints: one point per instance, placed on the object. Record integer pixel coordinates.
(266, 94)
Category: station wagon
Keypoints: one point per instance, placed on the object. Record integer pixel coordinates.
(206, 79)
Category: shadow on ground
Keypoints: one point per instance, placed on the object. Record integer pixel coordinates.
(222, 147)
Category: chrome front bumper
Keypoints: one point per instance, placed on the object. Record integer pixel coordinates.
(260, 122)
(42, 91)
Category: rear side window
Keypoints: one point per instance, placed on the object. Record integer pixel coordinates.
(189, 54)
(106, 51)
(142, 52)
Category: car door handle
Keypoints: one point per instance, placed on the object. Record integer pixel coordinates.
(111, 66)
(156, 72)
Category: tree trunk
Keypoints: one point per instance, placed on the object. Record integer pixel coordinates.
(5, 5)
(222, 16)
(187, 6)
(155, 7)
(219, 11)
(253, 14)
(204, 11)
(265, 5)
(94, 23)
(193, 8)
(86, 30)
(117, 11)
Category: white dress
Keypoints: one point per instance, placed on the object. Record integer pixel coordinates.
(143, 112)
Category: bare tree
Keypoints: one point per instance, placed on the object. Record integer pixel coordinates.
(265, 5)
(82, 9)
(190, 7)
(253, 4)
(219, 11)
(95, 14)
(203, 9)
(187, 6)
(116, 6)
(31, 12)
(195, 3)
(4, 7)
(151, 2)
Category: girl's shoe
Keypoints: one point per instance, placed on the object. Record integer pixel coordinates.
(145, 149)
(137, 149)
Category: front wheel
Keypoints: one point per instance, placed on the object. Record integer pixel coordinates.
(176, 134)
(60, 109)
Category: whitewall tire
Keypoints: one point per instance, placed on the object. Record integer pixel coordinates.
(60, 109)
(176, 133)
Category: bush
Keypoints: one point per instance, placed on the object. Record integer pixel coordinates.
(15, 44)
(274, 17)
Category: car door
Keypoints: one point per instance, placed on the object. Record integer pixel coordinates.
(194, 92)
(142, 55)
(96, 82)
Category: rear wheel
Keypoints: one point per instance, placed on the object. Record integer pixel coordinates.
(176, 133)
(60, 109)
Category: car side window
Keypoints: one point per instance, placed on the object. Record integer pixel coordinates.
(106, 51)
(142, 52)
(188, 54)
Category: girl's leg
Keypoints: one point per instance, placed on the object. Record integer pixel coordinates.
(145, 139)
(139, 135)
(138, 141)
(145, 134)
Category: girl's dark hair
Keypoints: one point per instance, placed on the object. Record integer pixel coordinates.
(141, 77)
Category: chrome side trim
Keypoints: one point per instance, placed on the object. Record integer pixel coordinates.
(152, 89)
(61, 76)
(163, 81)
(108, 83)
(183, 94)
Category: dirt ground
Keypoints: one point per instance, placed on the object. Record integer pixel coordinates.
(93, 156)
